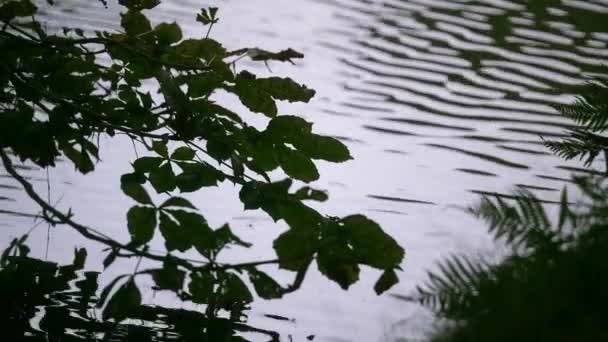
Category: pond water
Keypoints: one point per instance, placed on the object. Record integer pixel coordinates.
(437, 103)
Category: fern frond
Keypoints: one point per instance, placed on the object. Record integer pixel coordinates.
(580, 144)
(590, 110)
(524, 224)
(450, 289)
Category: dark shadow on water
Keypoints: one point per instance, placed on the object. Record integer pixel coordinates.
(43, 301)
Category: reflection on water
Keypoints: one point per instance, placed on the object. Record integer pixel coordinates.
(440, 101)
(63, 298)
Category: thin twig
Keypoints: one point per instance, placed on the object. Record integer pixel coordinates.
(85, 231)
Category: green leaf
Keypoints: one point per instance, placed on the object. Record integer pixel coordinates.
(139, 4)
(204, 84)
(81, 159)
(135, 23)
(282, 56)
(163, 179)
(196, 176)
(168, 34)
(195, 228)
(209, 243)
(295, 248)
(254, 97)
(183, 153)
(194, 49)
(160, 147)
(265, 286)
(12, 9)
(176, 236)
(147, 164)
(370, 244)
(218, 149)
(298, 166)
(207, 16)
(141, 222)
(285, 89)
(135, 177)
(136, 192)
(130, 186)
(201, 287)
(288, 128)
(169, 277)
(233, 290)
(124, 303)
(236, 163)
(337, 263)
(177, 202)
(386, 281)
(308, 193)
(250, 196)
(325, 148)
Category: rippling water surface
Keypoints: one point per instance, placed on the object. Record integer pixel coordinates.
(439, 101)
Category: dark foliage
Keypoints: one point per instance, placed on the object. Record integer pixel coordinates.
(61, 91)
(62, 298)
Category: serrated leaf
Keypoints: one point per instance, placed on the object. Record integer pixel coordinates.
(163, 179)
(298, 166)
(169, 277)
(210, 242)
(233, 290)
(194, 49)
(141, 222)
(135, 23)
(204, 84)
(288, 128)
(308, 193)
(371, 245)
(325, 148)
(177, 202)
(183, 153)
(218, 149)
(136, 192)
(81, 159)
(285, 89)
(386, 281)
(160, 147)
(265, 286)
(147, 164)
(237, 165)
(295, 248)
(252, 96)
(196, 176)
(337, 263)
(282, 56)
(195, 228)
(250, 196)
(12, 9)
(167, 34)
(176, 236)
(135, 177)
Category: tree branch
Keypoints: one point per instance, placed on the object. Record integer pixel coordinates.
(85, 231)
